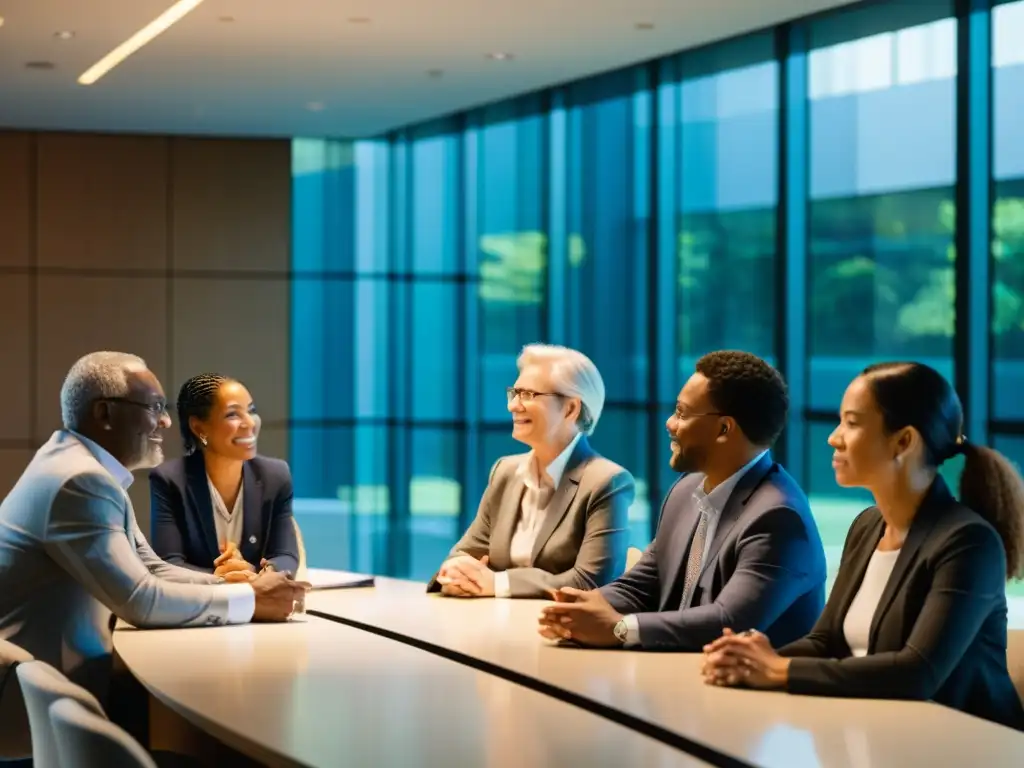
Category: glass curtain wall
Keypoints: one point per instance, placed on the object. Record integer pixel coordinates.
(840, 190)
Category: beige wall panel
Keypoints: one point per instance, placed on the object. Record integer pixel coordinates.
(12, 463)
(15, 358)
(15, 199)
(77, 315)
(238, 328)
(232, 204)
(102, 202)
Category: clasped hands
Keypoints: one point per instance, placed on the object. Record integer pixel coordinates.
(744, 658)
(277, 594)
(232, 567)
(465, 576)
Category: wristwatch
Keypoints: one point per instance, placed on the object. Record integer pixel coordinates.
(620, 631)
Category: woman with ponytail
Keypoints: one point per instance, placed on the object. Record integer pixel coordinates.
(918, 609)
(222, 509)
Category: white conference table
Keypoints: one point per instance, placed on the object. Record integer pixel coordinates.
(319, 694)
(665, 692)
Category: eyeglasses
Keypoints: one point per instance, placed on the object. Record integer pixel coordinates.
(157, 409)
(683, 415)
(526, 395)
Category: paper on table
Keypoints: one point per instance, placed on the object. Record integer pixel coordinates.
(323, 578)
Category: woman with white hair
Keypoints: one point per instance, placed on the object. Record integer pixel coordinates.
(555, 516)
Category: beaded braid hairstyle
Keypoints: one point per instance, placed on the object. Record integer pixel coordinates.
(195, 398)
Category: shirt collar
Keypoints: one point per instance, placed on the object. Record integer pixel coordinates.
(116, 469)
(529, 471)
(720, 494)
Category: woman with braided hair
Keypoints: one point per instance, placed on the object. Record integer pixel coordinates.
(222, 509)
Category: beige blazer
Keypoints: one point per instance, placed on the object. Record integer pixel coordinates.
(583, 540)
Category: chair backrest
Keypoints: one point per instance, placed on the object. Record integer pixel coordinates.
(633, 556)
(42, 685)
(86, 740)
(1015, 659)
(300, 572)
(15, 742)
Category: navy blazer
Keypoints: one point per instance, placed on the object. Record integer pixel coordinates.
(765, 568)
(183, 529)
(939, 631)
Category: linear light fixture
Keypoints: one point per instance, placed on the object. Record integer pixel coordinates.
(157, 26)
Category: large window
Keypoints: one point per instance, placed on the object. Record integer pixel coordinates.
(799, 193)
(1008, 213)
(882, 168)
(603, 261)
(727, 171)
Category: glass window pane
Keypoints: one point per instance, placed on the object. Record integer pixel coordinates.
(323, 205)
(342, 502)
(728, 170)
(324, 383)
(608, 204)
(512, 245)
(882, 217)
(434, 239)
(1008, 212)
(434, 498)
(372, 215)
(621, 436)
(435, 351)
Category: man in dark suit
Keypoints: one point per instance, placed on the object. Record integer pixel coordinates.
(736, 545)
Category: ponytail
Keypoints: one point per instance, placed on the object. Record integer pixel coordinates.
(992, 487)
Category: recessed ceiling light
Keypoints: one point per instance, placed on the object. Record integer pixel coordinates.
(358, 20)
(644, 25)
(40, 65)
(500, 56)
(65, 34)
(157, 26)
(315, 106)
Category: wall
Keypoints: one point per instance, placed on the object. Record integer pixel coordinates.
(175, 249)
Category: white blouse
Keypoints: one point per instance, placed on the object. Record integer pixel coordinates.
(857, 624)
(228, 524)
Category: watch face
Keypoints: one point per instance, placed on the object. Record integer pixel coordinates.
(620, 631)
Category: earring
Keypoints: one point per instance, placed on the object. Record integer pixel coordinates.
(202, 439)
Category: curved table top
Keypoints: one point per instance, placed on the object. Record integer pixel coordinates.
(665, 691)
(317, 693)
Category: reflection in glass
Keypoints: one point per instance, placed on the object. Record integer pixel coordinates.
(728, 169)
(881, 216)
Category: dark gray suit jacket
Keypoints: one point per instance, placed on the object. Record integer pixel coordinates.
(939, 631)
(765, 568)
(583, 540)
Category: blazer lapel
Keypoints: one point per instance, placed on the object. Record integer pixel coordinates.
(676, 549)
(735, 504)
(563, 495)
(924, 520)
(200, 505)
(857, 568)
(256, 519)
(504, 522)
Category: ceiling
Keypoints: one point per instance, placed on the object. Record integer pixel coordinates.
(305, 68)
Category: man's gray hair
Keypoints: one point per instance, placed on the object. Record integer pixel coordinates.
(94, 377)
(574, 374)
